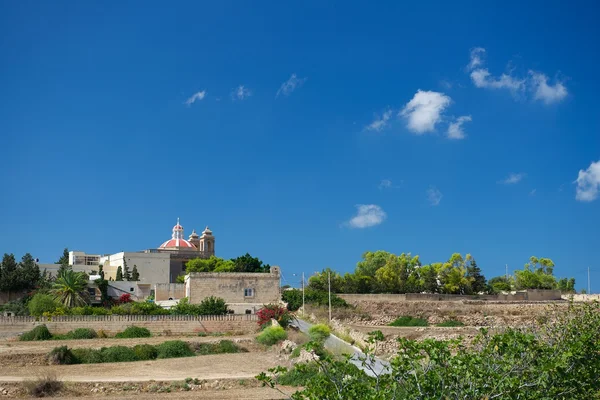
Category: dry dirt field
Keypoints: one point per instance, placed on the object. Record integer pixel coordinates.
(221, 376)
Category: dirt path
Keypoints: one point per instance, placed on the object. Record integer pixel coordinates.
(255, 393)
(221, 366)
(12, 346)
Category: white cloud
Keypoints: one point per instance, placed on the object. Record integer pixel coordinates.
(588, 183)
(385, 184)
(455, 129)
(547, 93)
(513, 178)
(196, 96)
(476, 57)
(380, 122)
(368, 215)
(240, 93)
(290, 85)
(424, 110)
(536, 82)
(434, 196)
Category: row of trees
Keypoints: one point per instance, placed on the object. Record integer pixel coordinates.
(384, 272)
(19, 276)
(245, 263)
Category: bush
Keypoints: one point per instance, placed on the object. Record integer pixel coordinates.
(450, 324)
(118, 354)
(61, 356)
(276, 312)
(46, 386)
(409, 321)
(293, 298)
(100, 311)
(88, 356)
(133, 332)
(125, 298)
(42, 303)
(40, 332)
(145, 352)
(223, 347)
(213, 306)
(299, 375)
(319, 333)
(82, 333)
(173, 349)
(271, 335)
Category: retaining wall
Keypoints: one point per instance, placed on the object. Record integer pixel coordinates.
(111, 324)
(529, 295)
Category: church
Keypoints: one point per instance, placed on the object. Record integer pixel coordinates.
(158, 265)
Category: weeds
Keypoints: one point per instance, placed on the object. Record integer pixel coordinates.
(45, 386)
(409, 321)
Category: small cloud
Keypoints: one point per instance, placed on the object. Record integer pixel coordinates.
(446, 84)
(532, 193)
(476, 57)
(196, 96)
(588, 183)
(547, 93)
(241, 93)
(455, 129)
(368, 215)
(290, 85)
(434, 196)
(380, 122)
(513, 178)
(387, 184)
(424, 111)
(483, 79)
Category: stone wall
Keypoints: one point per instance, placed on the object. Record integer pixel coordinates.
(529, 295)
(169, 291)
(581, 297)
(234, 287)
(111, 324)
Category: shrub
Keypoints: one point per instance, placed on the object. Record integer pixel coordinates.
(133, 332)
(276, 312)
(222, 347)
(118, 354)
(271, 335)
(299, 375)
(319, 333)
(40, 332)
(100, 311)
(61, 356)
(82, 333)
(174, 348)
(213, 306)
(46, 386)
(450, 323)
(42, 303)
(125, 298)
(88, 356)
(409, 321)
(293, 298)
(145, 352)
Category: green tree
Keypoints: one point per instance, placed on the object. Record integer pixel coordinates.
(499, 284)
(69, 288)
(320, 281)
(126, 272)
(537, 274)
(212, 306)
(135, 275)
(29, 272)
(429, 279)
(9, 280)
(119, 276)
(41, 303)
(566, 285)
(293, 298)
(478, 281)
(63, 261)
(247, 263)
(101, 271)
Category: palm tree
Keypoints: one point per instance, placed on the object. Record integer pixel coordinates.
(69, 288)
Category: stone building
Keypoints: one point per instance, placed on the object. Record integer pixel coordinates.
(244, 292)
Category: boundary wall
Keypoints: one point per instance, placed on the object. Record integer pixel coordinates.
(111, 324)
(529, 295)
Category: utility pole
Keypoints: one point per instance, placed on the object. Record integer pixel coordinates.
(303, 293)
(329, 283)
(589, 284)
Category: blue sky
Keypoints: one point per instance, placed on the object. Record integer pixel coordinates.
(304, 133)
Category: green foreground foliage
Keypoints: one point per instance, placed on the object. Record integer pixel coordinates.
(142, 352)
(557, 360)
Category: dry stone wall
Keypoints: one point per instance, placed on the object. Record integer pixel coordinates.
(111, 324)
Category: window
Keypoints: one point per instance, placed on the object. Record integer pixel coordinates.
(248, 292)
(248, 311)
(131, 289)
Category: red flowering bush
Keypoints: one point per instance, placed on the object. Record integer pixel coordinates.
(125, 298)
(276, 312)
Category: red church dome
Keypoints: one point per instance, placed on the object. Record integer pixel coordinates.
(177, 241)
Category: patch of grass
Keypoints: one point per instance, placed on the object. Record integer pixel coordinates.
(409, 321)
(271, 335)
(133, 332)
(173, 349)
(45, 386)
(450, 323)
(40, 332)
